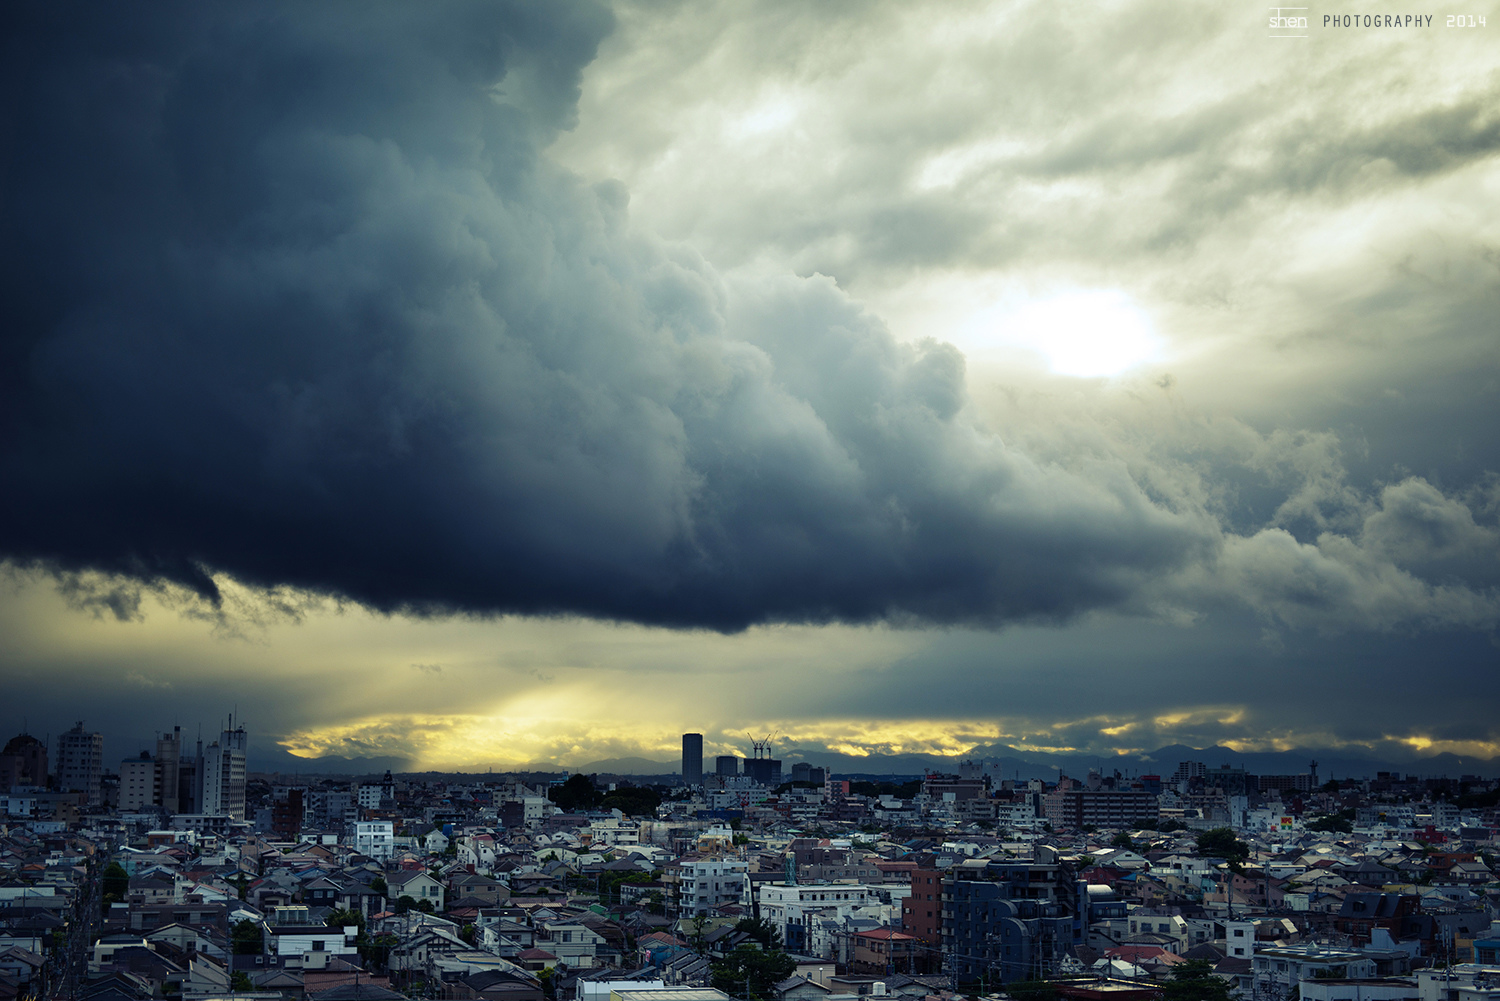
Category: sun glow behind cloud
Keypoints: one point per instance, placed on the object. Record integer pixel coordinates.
(1086, 334)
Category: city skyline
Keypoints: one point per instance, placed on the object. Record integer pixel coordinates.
(494, 386)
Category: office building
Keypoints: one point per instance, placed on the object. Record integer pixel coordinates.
(168, 755)
(692, 759)
(23, 763)
(223, 768)
(1012, 920)
(727, 765)
(137, 783)
(80, 761)
(763, 771)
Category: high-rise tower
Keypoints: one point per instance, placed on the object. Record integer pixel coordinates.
(223, 765)
(692, 759)
(80, 761)
(168, 756)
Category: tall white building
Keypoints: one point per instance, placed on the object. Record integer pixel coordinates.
(223, 768)
(375, 838)
(137, 783)
(703, 886)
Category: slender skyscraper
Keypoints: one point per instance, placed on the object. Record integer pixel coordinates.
(692, 759)
(223, 775)
(168, 757)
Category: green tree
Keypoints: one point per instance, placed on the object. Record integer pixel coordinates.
(757, 968)
(116, 882)
(578, 793)
(378, 884)
(247, 937)
(1220, 842)
(425, 906)
(377, 951)
(763, 930)
(1122, 840)
(633, 801)
(404, 903)
(241, 885)
(113, 886)
(1335, 822)
(241, 982)
(695, 938)
(1195, 981)
(344, 917)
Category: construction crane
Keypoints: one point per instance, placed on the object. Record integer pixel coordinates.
(762, 747)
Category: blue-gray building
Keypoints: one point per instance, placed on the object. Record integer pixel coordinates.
(1011, 920)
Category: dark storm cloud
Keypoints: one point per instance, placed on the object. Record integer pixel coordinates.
(294, 298)
(1158, 684)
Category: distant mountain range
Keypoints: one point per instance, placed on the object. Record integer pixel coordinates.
(1000, 759)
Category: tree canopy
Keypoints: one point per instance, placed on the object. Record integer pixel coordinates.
(1341, 822)
(763, 930)
(578, 793)
(247, 937)
(344, 917)
(900, 790)
(632, 800)
(760, 969)
(1220, 842)
(1195, 981)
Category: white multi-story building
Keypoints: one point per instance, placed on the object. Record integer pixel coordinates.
(1463, 981)
(137, 783)
(793, 907)
(615, 831)
(17, 804)
(375, 838)
(1285, 965)
(300, 940)
(224, 775)
(709, 884)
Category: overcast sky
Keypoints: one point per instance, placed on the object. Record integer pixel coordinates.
(481, 384)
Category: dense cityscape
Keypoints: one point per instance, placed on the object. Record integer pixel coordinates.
(754, 500)
(176, 873)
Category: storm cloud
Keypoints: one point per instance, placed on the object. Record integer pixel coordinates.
(302, 301)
